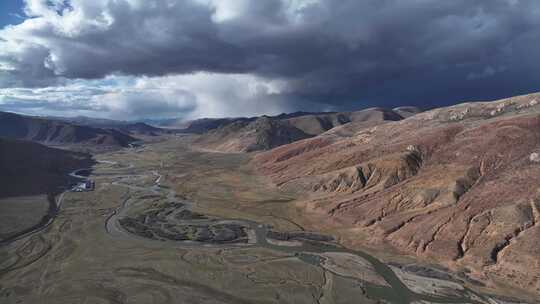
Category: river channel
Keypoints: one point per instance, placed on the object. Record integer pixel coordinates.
(308, 250)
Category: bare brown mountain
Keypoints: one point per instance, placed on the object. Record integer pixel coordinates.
(55, 132)
(263, 133)
(202, 125)
(459, 185)
(30, 168)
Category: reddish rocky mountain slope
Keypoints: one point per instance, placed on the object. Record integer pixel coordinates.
(459, 185)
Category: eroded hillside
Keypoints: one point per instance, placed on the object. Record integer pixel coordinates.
(459, 185)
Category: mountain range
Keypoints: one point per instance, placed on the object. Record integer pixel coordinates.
(267, 132)
(129, 127)
(56, 132)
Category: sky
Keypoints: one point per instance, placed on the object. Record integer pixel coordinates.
(134, 59)
(11, 12)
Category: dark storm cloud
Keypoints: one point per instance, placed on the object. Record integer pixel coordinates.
(377, 52)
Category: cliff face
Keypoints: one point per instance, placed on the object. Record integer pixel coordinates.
(460, 185)
(29, 168)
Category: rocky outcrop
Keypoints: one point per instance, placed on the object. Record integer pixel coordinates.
(371, 176)
(457, 184)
